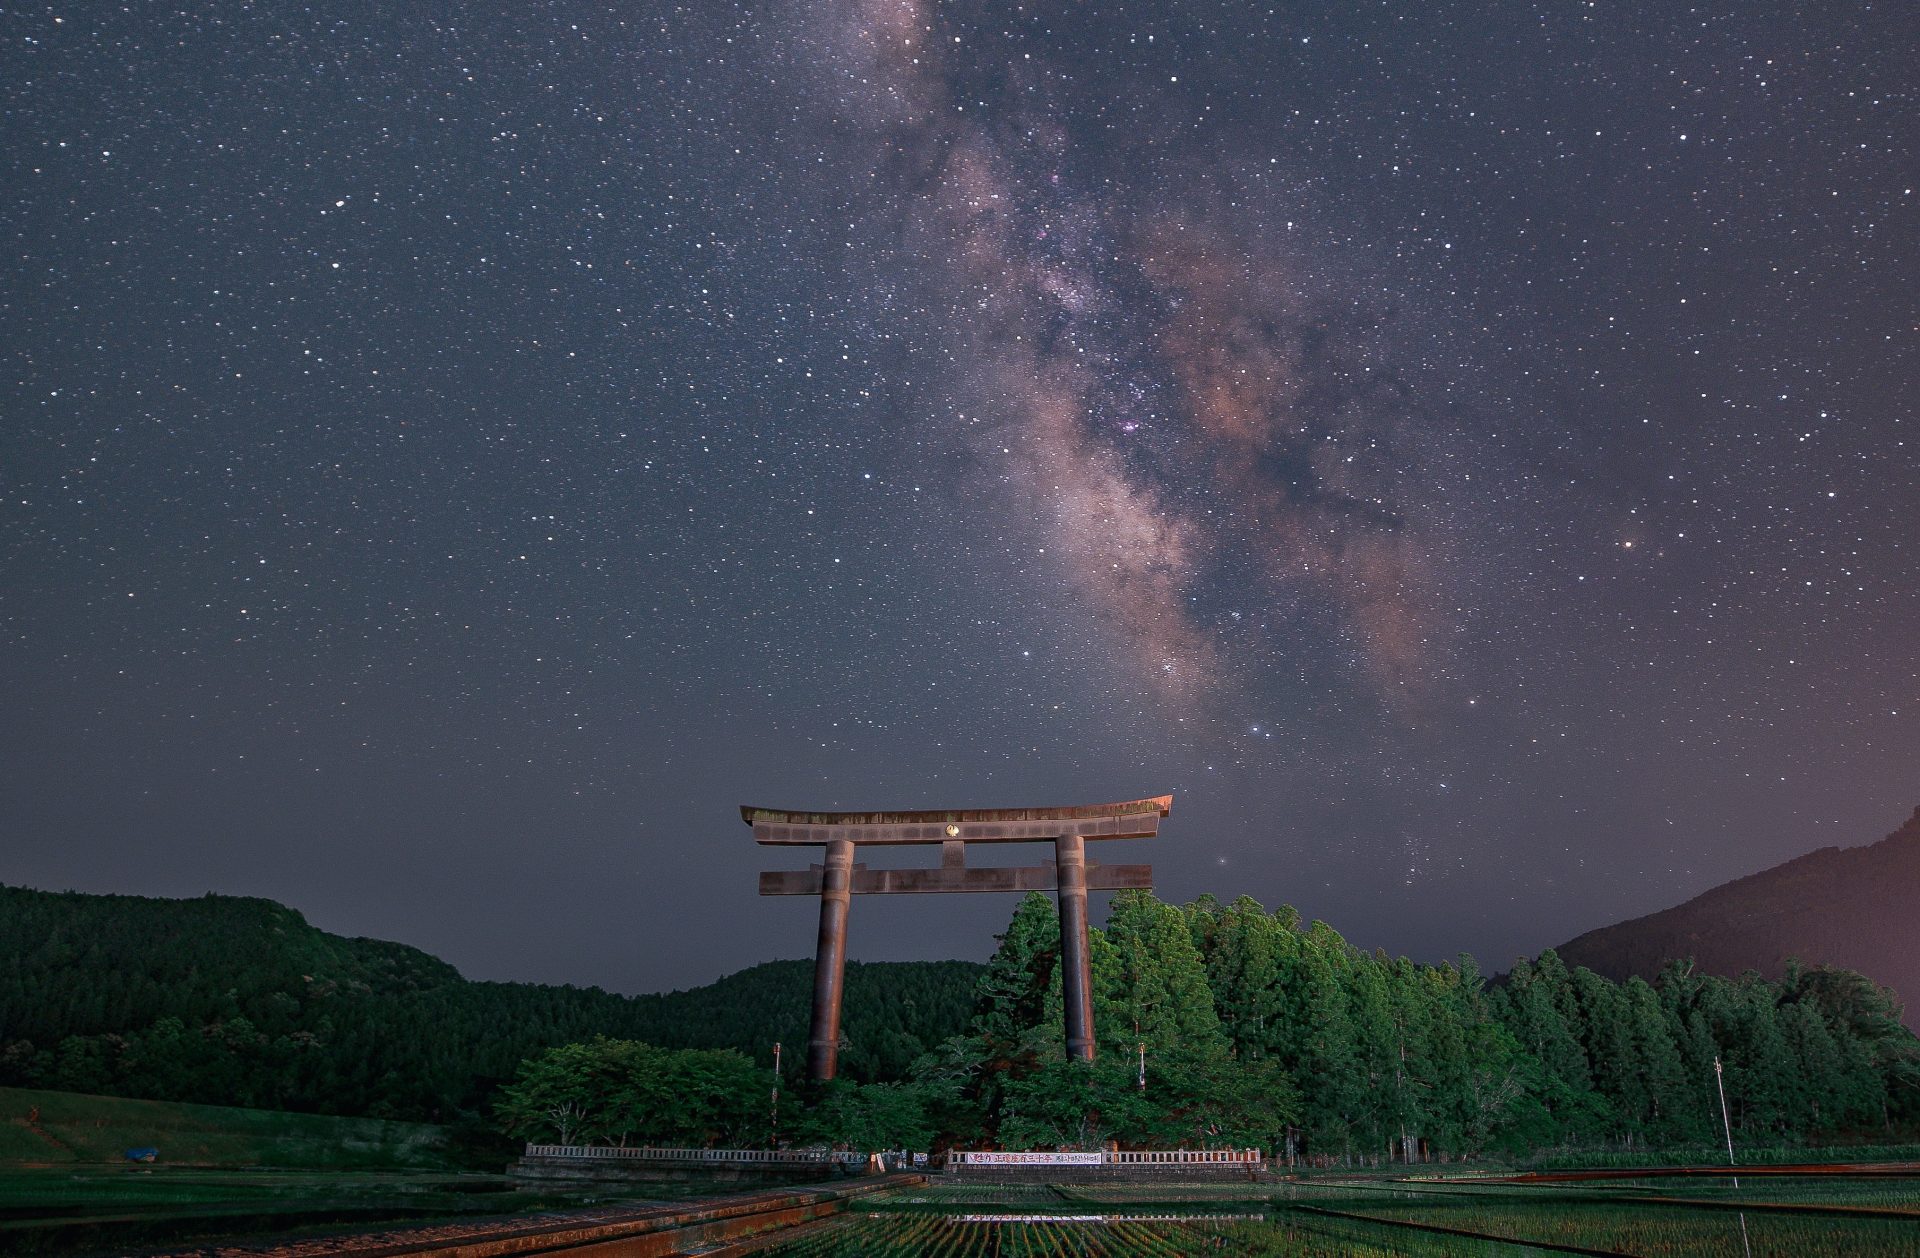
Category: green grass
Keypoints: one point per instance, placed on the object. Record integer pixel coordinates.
(71, 1210)
(72, 1128)
(1716, 1155)
(226, 1173)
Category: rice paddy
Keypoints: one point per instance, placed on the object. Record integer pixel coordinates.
(1822, 1216)
(1813, 1215)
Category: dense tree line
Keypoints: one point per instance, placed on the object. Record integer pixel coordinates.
(618, 1092)
(622, 1092)
(1218, 1025)
(1226, 1025)
(1382, 1057)
(241, 1002)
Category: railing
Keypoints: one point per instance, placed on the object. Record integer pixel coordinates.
(648, 1153)
(1189, 1157)
(1142, 1157)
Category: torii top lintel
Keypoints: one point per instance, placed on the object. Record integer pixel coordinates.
(1133, 819)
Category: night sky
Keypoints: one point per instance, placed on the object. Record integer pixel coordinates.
(452, 456)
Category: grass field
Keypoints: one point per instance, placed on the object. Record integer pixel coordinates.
(1715, 1155)
(99, 1210)
(72, 1128)
(224, 1173)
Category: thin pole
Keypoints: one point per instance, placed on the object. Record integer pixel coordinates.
(1143, 1065)
(1726, 1124)
(773, 1114)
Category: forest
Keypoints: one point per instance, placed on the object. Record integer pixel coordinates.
(1227, 1025)
(239, 1001)
(1247, 1027)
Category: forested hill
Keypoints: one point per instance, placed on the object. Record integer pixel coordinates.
(241, 1002)
(1849, 907)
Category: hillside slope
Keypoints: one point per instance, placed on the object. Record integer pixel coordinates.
(70, 1127)
(240, 1001)
(1856, 907)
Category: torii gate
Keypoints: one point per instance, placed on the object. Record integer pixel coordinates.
(1070, 873)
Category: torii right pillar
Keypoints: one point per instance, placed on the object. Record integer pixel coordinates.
(1076, 965)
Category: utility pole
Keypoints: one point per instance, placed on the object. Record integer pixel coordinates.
(1726, 1124)
(1143, 1065)
(773, 1113)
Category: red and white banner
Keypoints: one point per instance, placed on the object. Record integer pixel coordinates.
(1029, 1159)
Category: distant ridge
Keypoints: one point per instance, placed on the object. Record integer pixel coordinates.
(238, 1001)
(1854, 907)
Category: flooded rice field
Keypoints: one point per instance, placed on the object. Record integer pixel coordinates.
(1808, 1217)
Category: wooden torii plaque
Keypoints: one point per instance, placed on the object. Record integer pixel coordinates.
(1070, 874)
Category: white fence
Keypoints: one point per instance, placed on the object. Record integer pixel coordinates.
(647, 1153)
(814, 1157)
(1142, 1157)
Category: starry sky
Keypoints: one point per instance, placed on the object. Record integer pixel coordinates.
(452, 455)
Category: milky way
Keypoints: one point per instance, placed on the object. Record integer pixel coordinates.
(1178, 406)
(451, 460)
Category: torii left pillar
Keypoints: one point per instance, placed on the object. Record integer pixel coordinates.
(830, 961)
(839, 879)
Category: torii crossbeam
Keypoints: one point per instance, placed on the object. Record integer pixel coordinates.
(1070, 874)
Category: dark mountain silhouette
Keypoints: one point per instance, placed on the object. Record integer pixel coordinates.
(231, 1000)
(1853, 907)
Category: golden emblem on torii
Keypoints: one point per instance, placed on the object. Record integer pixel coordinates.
(1070, 875)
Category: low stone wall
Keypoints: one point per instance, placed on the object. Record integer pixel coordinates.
(650, 1171)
